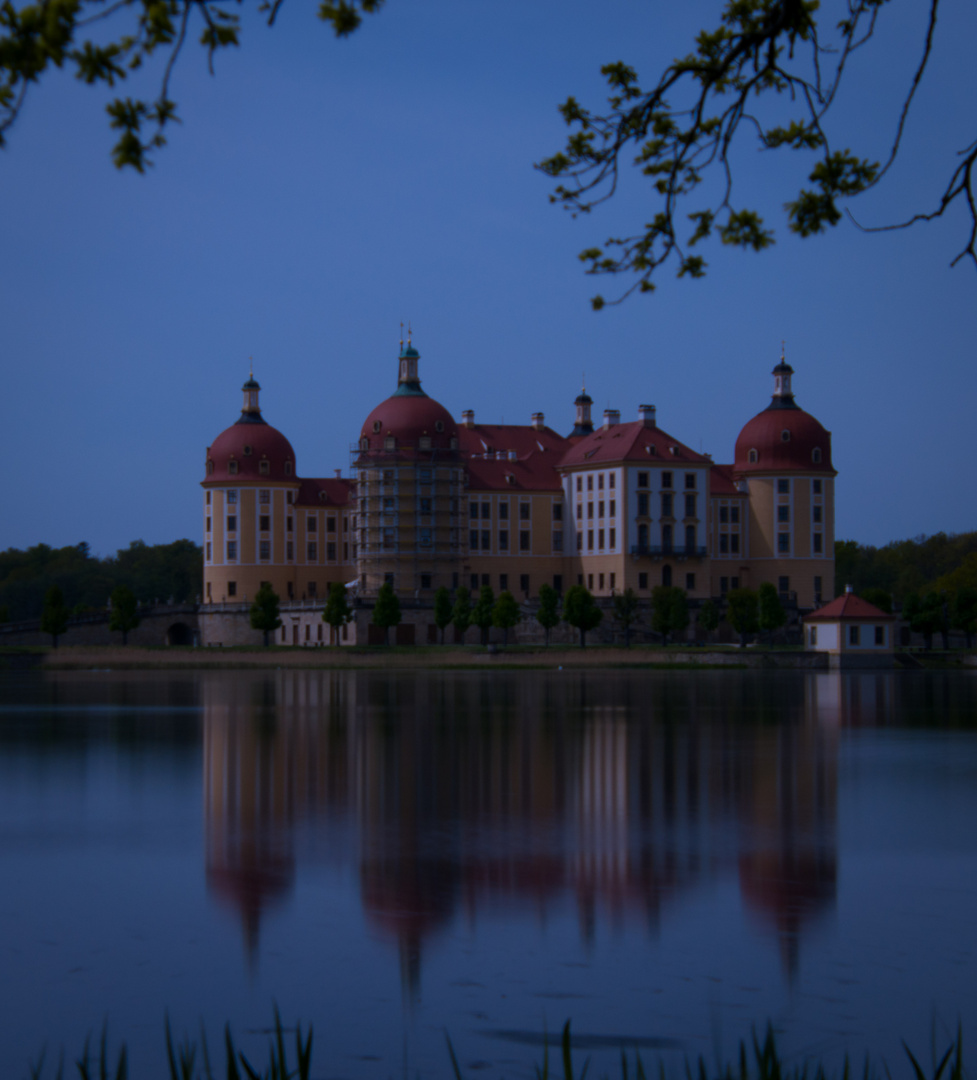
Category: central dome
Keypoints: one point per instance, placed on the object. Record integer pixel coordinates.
(408, 420)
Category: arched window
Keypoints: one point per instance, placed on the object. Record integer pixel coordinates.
(232, 468)
(376, 425)
(390, 443)
(816, 455)
(667, 539)
(288, 468)
(364, 443)
(264, 467)
(752, 457)
(666, 575)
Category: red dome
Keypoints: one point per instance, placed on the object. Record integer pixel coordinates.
(409, 418)
(783, 440)
(248, 443)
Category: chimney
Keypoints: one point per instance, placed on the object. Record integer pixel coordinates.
(468, 418)
(538, 421)
(339, 474)
(611, 417)
(646, 414)
(848, 590)
(513, 456)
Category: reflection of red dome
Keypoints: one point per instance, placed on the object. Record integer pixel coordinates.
(783, 437)
(408, 417)
(250, 450)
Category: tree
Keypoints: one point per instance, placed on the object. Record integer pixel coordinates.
(709, 617)
(482, 611)
(743, 613)
(54, 614)
(625, 606)
(963, 612)
(124, 613)
(669, 611)
(580, 610)
(506, 614)
(881, 598)
(386, 611)
(771, 611)
(548, 612)
(337, 611)
(461, 613)
(924, 614)
(443, 612)
(35, 36)
(685, 127)
(264, 611)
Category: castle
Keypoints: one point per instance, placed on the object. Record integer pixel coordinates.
(432, 502)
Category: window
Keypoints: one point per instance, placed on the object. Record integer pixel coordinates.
(524, 511)
(289, 550)
(734, 582)
(330, 524)
(600, 539)
(503, 540)
(473, 511)
(486, 511)
(689, 506)
(817, 588)
(690, 481)
(818, 549)
(752, 457)
(783, 513)
(312, 588)
(232, 588)
(816, 511)
(208, 551)
(389, 537)
(880, 635)
(503, 510)
(783, 543)
(814, 635)
(579, 511)
(524, 583)
(642, 504)
(610, 481)
(734, 515)
(612, 509)
(486, 540)
(208, 524)
(288, 468)
(485, 579)
(524, 540)
(558, 582)
(264, 550)
(425, 507)
(331, 552)
(666, 479)
(289, 494)
(557, 539)
(264, 496)
(816, 455)
(600, 509)
(613, 539)
(474, 582)
(288, 524)
(473, 539)
(689, 582)
(853, 635)
(558, 511)
(264, 467)
(424, 443)
(642, 581)
(388, 476)
(590, 510)
(783, 487)
(666, 575)
(600, 581)
(666, 538)
(579, 541)
(590, 483)
(734, 543)
(310, 552)
(590, 539)
(579, 483)
(724, 585)
(264, 523)
(642, 479)
(390, 443)
(785, 435)
(816, 487)
(425, 538)
(723, 515)
(783, 584)
(643, 538)
(388, 506)
(666, 505)
(724, 543)
(310, 524)
(690, 539)
(232, 468)
(208, 498)
(231, 549)
(231, 498)
(503, 582)
(232, 523)
(590, 582)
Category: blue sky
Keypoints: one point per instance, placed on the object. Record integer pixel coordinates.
(320, 191)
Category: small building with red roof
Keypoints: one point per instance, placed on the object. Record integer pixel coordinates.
(854, 632)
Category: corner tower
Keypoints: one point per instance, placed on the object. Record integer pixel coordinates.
(410, 482)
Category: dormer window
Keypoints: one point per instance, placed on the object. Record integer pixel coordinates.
(785, 435)
(288, 468)
(247, 451)
(425, 442)
(752, 457)
(376, 425)
(390, 443)
(232, 468)
(439, 425)
(264, 466)
(210, 468)
(816, 455)
(364, 443)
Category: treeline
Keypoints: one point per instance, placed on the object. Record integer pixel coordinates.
(152, 571)
(925, 564)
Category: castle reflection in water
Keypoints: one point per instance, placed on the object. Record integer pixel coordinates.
(453, 793)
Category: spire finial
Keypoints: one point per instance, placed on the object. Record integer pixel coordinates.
(401, 333)
(783, 350)
(583, 382)
(250, 367)
(408, 332)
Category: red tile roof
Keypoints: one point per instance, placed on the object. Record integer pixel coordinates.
(533, 468)
(847, 606)
(325, 492)
(722, 484)
(631, 442)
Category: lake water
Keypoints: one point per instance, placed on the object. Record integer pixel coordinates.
(665, 858)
